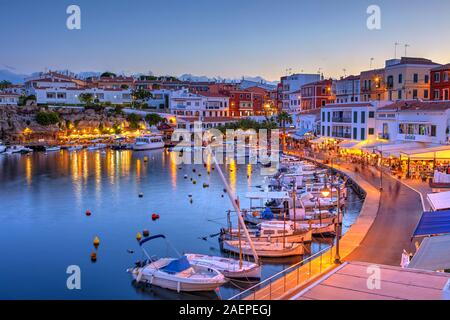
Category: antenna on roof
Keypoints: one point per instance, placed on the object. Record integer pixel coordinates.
(345, 72)
(406, 49)
(395, 49)
(371, 62)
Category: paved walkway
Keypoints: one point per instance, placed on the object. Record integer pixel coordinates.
(282, 288)
(383, 229)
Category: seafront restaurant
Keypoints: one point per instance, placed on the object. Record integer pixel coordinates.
(405, 159)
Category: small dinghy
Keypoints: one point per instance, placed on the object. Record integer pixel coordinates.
(176, 274)
(230, 268)
(264, 249)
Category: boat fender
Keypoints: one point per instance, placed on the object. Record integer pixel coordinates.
(178, 287)
(139, 276)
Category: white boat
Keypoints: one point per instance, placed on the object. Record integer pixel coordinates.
(75, 148)
(52, 149)
(275, 233)
(2, 147)
(148, 142)
(264, 249)
(176, 274)
(97, 146)
(230, 268)
(18, 149)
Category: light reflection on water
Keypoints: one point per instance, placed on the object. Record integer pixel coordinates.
(43, 227)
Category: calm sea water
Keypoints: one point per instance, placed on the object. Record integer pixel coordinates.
(44, 229)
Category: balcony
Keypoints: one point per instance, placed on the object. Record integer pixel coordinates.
(342, 119)
(384, 136)
(342, 135)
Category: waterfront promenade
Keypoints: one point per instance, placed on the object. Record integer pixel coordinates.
(381, 232)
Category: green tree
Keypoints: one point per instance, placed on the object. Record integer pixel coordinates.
(108, 74)
(153, 119)
(86, 98)
(4, 84)
(141, 95)
(134, 119)
(46, 118)
(284, 118)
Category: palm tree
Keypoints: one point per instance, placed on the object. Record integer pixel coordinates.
(86, 98)
(284, 118)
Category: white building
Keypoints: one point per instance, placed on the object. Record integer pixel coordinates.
(415, 121)
(8, 99)
(347, 89)
(293, 83)
(295, 102)
(160, 99)
(185, 103)
(69, 95)
(307, 122)
(350, 121)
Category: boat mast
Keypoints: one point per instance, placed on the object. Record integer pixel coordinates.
(235, 204)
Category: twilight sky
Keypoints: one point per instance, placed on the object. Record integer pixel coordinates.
(227, 38)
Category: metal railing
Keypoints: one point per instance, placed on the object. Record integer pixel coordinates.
(300, 273)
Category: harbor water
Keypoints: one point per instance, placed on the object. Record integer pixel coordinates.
(44, 228)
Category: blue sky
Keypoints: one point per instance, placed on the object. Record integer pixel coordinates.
(219, 38)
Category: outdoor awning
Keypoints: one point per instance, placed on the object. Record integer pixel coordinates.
(267, 195)
(439, 201)
(433, 223)
(300, 134)
(396, 149)
(318, 140)
(428, 153)
(433, 254)
(348, 144)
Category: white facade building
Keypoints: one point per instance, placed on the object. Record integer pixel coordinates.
(160, 99)
(307, 122)
(8, 99)
(347, 90)
(293, 83)
(350, 121)
(185, 103)
(295, 102)
(57, 95)
(415, 121)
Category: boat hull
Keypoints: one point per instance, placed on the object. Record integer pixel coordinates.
(148, 147)
(292, 238)
(230, 268)
(264, 251)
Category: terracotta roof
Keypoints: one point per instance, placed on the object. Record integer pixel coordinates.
(312, 111)
(348, 105)
(415, 105)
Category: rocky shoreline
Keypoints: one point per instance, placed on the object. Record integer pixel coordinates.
(19, 124)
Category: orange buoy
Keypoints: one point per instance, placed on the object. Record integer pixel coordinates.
(96, 242)
(93, 257)
(146, 233)
(88, 213)
(138, 236)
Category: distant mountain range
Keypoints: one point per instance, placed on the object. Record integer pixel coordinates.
(19, 78)
(12, 77)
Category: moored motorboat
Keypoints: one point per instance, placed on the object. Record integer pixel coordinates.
(75, 148)
(2, 147)
(148, 142)
(96, 146)
(52, 149)
(264, 249)
(176, 274)
(230, 268)
(18, 149)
